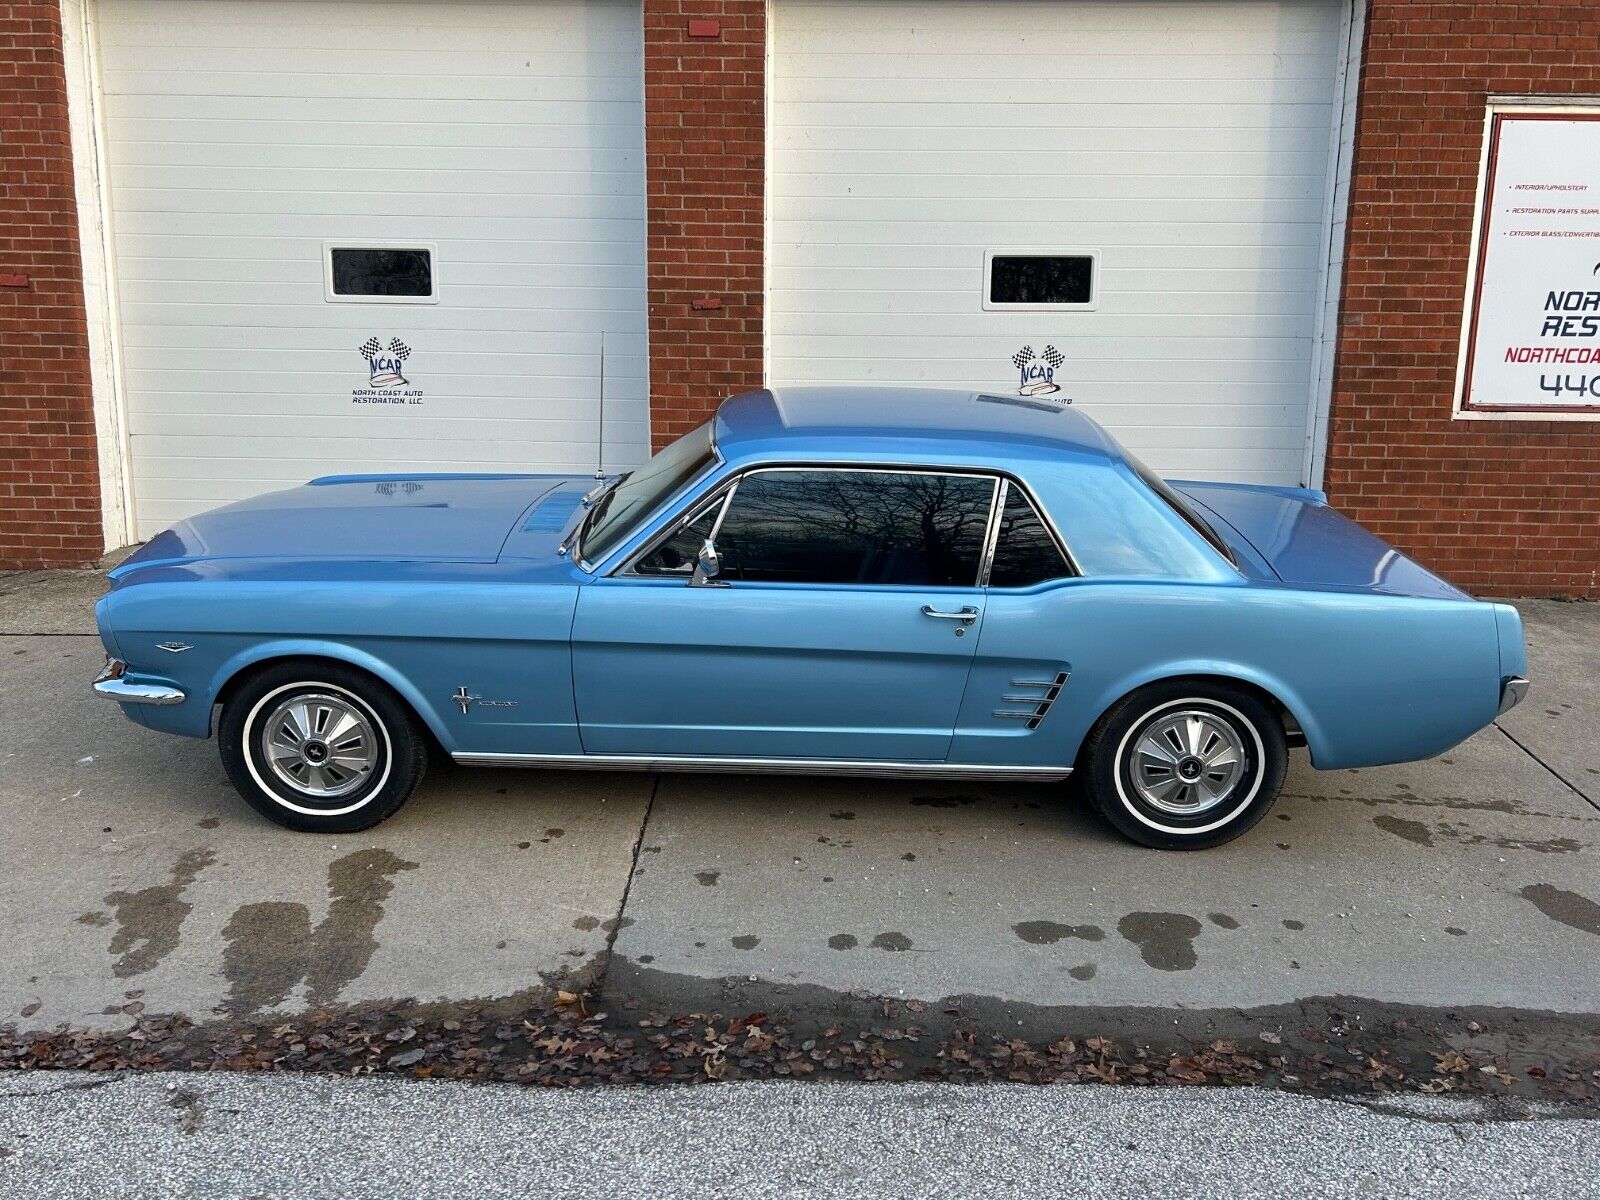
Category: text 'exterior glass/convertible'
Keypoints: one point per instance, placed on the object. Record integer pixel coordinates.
(898, 582)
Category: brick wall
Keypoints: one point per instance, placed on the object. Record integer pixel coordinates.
(49, 472)
(1500, 507)
(705, 154)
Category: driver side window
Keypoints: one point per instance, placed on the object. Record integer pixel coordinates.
(862, 527)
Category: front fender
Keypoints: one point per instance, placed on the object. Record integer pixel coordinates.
(280, 648)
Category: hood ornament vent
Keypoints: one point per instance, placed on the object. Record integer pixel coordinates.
(1036, 706)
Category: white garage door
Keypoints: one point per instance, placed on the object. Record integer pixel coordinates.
(1184, 146)
(247, 139)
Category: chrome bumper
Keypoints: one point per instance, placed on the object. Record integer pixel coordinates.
(110, 684)
(1512, 690)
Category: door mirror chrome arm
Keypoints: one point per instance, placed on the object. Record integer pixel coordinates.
(966, 615)
(707, 566)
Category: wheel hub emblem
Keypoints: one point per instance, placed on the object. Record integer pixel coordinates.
(315, 752)
(1189, 768)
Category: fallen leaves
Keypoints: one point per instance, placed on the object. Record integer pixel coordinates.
(563, 1043)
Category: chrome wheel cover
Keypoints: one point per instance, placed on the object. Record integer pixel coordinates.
(1187, 762)
(320, 744)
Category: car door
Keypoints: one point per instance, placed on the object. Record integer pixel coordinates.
(841, 624)
(1021, 707)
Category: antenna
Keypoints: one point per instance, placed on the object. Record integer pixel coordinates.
(600, 448)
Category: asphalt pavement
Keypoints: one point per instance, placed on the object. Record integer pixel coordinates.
(68, 1135)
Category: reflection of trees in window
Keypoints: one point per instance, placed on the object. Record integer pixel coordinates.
(856, 527)
(1024, 552)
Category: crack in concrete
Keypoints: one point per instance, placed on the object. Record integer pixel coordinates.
(1562, 779)
(621, 922)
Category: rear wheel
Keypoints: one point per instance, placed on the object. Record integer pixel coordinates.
(1185, 765)
(321, 747)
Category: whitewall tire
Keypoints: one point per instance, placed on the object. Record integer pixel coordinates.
(321, 747)
(1185, 764)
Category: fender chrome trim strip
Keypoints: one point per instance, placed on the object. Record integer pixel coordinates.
(768, 766)
(110, 684)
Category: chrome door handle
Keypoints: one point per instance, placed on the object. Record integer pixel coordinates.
(966, 616)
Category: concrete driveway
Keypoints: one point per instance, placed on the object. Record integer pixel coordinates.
(133, 878)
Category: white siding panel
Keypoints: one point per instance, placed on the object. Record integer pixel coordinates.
(243, 134)
(1184, 140)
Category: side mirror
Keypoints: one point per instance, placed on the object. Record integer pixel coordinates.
(707, 566)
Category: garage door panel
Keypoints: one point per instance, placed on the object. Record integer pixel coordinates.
(1187, 144)
(198, 129)
(505, 134)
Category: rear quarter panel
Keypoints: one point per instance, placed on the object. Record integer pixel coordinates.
(1371, 679)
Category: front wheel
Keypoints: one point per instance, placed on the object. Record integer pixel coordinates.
(1185, 765)
(321, 747)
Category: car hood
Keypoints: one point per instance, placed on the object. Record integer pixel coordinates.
(368, 518)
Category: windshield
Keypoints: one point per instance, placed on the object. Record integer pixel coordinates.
(636, 495)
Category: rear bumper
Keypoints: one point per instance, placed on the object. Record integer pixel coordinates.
(111, 684)
(1512, 689)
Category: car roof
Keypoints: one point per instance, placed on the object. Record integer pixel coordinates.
(916, 422)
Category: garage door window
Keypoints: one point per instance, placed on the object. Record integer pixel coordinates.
(381, 274)
(1039, 279)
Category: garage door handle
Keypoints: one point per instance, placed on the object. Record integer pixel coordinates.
(966, 616)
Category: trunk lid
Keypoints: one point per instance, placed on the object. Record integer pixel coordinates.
(370, 518)
(1294, 535)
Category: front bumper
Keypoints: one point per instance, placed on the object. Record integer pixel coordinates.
(1512, 690)
(111, 684)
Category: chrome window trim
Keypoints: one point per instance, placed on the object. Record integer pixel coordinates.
(717, 463)
(691, 512)
(720, 496)
(1050, 528)
(890, 768)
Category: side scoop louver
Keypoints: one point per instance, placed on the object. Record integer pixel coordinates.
(1036, 705)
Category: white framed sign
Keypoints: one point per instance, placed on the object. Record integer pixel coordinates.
(1530, 344)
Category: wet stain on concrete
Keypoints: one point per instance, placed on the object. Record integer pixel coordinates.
(843, 816)
(270, 947)
(585, 924)
(745, 941)
(1537, 845)
(1083, 973)
(1412, 831)
(1292, 924)
(149, 920)
(942, 801)
(842, 941)
(1455, 931)
(1165, 940)
(551, 835)
(1048, 933)
(1222, 920)
(264, 954)
(524, 845)
(707, 878)
(208, 822)
(1569, 908)
(615, 923)
(892, 941)
(94, 918)
(908, 857)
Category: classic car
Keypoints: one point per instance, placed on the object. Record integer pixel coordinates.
(899, 582)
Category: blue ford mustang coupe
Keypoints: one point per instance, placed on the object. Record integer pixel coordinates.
(874, 582)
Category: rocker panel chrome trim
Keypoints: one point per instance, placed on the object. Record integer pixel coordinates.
(761, 766)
